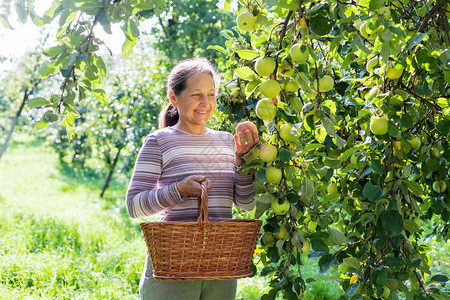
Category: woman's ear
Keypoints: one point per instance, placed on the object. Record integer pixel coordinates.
(172, 98)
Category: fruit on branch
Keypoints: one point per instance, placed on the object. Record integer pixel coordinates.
(385, 12)
(306, 247)
(379, 125)
(289, 133)
(265, 66)
(268, 153)
(326, 83)
(394, 73)
(268, 239)
(291, 86)
(282, 233)
(415, 142)
(371, 63)
(266, 110)
(270, 88)
(273, 175)
(280, 209)
(285, 69)
(332, 188)
(246, 21)
(299, 53)
(439, 186)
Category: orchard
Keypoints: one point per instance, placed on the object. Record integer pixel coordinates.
(351, 99)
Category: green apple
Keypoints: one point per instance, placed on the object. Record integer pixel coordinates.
(394, 73)
(268, 239)
(289, 133)
(265, 66)
(291, 86)
(280, 209)
(266, 110)
(282, 233)
(439, 186)
(385, 12)
(415, 142)
(246, 21)
(268, 153)
(299, 53)
(371, 63)
(273, 175)
(306, 247)
(285, 69)
(326, 83)
(332, 188)
(270, 88)
(379, 125)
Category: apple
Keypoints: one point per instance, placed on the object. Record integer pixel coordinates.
(246, 21)
(326, 83)
(265, 66)
(291, 86)
(282, 233)
(270, 88)
(285, 69)
(332, 188)
(268, 153)
(280, 209)
(379, 125)
(289, 133)
(371, 63)
(268, 239)
(299, 53)
(306, 247)
(266, 110)
(385, 12)
(394, 73)
(415, 142)
(273, 175)
(439, 186)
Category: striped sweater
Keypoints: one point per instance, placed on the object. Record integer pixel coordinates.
(168, 156)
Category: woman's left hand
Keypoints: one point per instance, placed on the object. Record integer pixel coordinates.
(246, 138)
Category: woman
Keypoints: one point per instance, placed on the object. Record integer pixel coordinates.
(177, 158)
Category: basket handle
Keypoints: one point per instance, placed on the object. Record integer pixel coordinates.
(203, 206)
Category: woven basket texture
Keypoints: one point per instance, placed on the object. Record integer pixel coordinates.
(203, 249)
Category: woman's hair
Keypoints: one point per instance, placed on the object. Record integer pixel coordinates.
(176, 82)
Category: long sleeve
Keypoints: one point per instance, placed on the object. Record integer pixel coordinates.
(244, 192)
(243, 188)
(144, 197)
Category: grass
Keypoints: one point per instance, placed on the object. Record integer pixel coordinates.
(60, 240)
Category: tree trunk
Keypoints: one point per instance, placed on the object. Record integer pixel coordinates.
(110, 173)
(14, 121)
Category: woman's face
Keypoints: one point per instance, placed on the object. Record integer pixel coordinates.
(197, 102)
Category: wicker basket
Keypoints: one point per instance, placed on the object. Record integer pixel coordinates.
(203, 249)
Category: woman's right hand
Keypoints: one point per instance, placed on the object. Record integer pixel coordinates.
(191, 185)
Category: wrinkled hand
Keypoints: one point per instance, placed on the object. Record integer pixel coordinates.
(191, 185)
(246, 138)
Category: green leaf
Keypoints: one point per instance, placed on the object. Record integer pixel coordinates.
(48, 68)
(439, 278)
(320, 24)
(372, 192)
(130, 30)
(337, 237)
(53, 51)
(21, 12)
(414, 187)
(142, 4)
(260, 209)
(49, 117)
(251, 87)
(266, 198)
(415, 41)
(218, 48)
(443, 102)
(127, 47)
(392, 220)
(285, 155)
(352, 289)
(326, 262)
(410, 225)
(352, 262)
(246, 73)
(38, 101)
(374, 4)
(101, 95)
(310, 147)
(319, 245)
(248, 54)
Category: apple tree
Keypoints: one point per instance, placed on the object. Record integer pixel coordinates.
(352, 103)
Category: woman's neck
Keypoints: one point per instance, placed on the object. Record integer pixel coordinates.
(198, 130)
